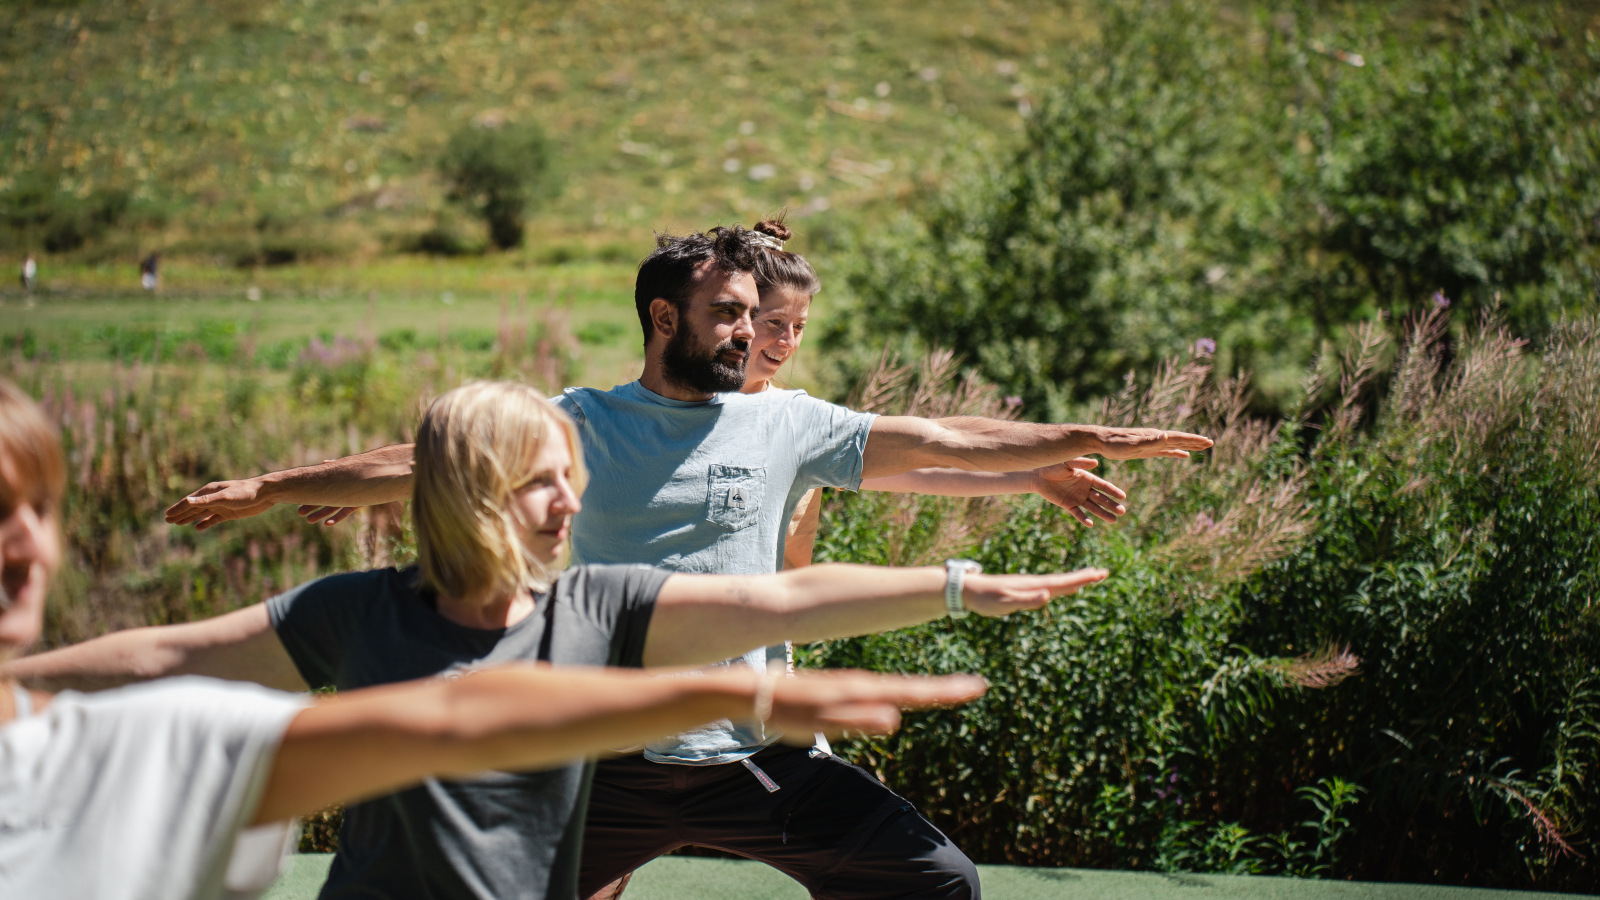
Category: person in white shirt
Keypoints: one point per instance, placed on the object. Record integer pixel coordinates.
(187, 788)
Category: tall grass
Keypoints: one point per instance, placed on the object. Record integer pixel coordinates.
(1360, 641)
(141, 433)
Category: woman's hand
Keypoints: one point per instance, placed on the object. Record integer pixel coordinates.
(1002, 595)
(1070, 486)
(836, 701)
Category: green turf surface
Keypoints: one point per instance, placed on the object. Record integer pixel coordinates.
(682, 878)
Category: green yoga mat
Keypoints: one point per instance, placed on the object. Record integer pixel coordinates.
(684, 878)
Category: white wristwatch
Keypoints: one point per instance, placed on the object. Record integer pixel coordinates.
(955, 572)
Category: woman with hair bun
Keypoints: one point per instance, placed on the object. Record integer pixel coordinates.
(787, 284)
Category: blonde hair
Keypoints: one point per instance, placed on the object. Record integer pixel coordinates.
(32, 469)
(475, 447)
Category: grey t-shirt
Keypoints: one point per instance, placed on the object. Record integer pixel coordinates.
(497, 835)
(706, 487)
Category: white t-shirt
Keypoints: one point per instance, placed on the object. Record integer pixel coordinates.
(142, 792)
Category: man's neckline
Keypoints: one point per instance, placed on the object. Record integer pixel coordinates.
(653, 397)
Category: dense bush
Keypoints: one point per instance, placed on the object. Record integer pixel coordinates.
(499, 173)
(1442, 537)
(39, 215)
(1260, 185)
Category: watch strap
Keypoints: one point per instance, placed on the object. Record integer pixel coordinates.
(955, 574)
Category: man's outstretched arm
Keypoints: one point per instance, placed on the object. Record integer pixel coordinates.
(323, 492)
(898, 444)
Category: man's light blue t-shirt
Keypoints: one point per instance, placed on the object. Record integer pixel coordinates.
(705, 487)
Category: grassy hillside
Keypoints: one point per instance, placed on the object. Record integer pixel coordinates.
(218, 127)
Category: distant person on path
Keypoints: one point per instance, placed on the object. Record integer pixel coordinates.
(690, 475)
(30, 273)
(498, 477)
(150, 272)
(186, 788)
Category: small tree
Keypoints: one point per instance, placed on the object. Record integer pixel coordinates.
(500, 173)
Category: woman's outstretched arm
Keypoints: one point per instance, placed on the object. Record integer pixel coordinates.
(701, 619)
(1069, 485)
(370, 742)
(237, 646)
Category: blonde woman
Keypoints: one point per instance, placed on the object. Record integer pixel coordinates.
(497, 479)
(186, 788)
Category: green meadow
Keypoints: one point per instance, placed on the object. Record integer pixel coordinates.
(1356, 243)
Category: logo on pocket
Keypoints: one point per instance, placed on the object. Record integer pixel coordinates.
(733, 495)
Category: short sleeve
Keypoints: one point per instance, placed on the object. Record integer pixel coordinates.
(617, 600)
(831, 440)
(316, 620)
(568, 404)
(157, 780)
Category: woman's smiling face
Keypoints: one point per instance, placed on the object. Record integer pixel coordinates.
(780, 326)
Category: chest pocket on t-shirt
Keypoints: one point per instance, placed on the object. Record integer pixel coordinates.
(733, 496)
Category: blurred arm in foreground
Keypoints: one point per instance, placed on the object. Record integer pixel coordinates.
(366, 743)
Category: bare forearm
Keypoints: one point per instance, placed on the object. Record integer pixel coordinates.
(105, 662)
(899, 444)
(366, 479)
(954, 483)
(706, 618)
(371, 742)
(237, 646)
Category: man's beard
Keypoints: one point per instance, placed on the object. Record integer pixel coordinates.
(702, 370)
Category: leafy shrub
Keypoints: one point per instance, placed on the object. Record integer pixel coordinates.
(1252, 186)
(1439, 536)
(500, 173)
(60, 221)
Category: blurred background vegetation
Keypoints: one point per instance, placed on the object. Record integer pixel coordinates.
(1354, 241)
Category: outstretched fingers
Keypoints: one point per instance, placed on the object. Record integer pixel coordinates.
(327, 515)
(1000, 595)
(862, 701)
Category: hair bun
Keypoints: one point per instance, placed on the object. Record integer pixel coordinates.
(775, 228)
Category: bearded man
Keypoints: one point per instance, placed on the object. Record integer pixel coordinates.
(690, 475)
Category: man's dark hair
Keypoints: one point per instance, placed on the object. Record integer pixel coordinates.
(670, 272)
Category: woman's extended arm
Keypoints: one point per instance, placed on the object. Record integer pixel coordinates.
(1068, 485)
(370, 742)
(700, 619)
(802, 537)
(238, 646)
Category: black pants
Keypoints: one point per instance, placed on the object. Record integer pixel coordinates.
(831, 826)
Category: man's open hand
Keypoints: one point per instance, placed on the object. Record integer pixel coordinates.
(218, 502)
(1070, 486)
(1149, 443)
